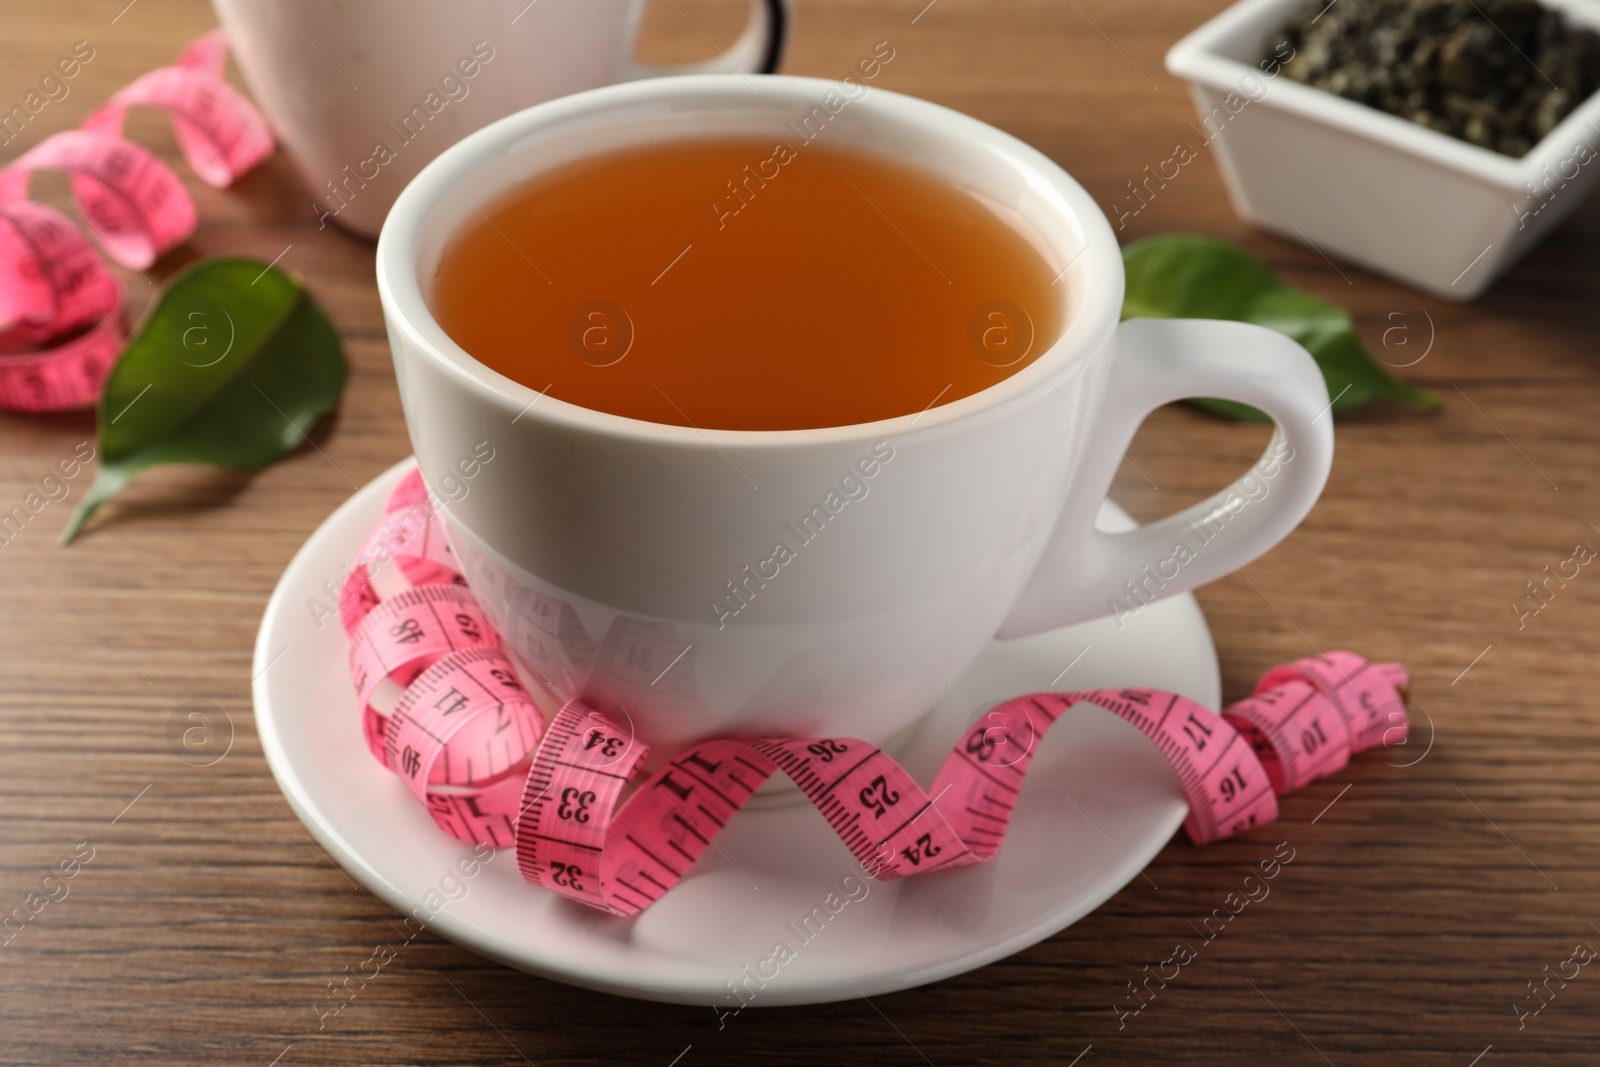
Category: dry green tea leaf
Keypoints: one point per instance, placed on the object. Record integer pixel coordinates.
(1500, 74)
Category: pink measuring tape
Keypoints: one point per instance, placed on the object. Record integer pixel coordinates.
(55, 292)
(444, 709)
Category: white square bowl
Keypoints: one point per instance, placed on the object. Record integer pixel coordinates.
(1347, 179)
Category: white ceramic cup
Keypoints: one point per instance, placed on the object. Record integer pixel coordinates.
(364, 93)
(601, 546)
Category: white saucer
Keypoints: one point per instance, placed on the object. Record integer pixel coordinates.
(773, 865)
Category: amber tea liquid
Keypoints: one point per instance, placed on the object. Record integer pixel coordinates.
(746, 284)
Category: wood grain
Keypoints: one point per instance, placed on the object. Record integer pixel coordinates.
(1421, 899)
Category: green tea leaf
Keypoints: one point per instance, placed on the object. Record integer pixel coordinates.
(232, 367)
(1189, 276)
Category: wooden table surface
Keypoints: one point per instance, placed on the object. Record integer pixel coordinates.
(1422, 899)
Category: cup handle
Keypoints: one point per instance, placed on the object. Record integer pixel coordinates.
(1087, 573)
(758, 50)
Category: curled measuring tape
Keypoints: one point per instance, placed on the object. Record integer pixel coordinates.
(444, 709)
(55, 292)
(53, 285)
